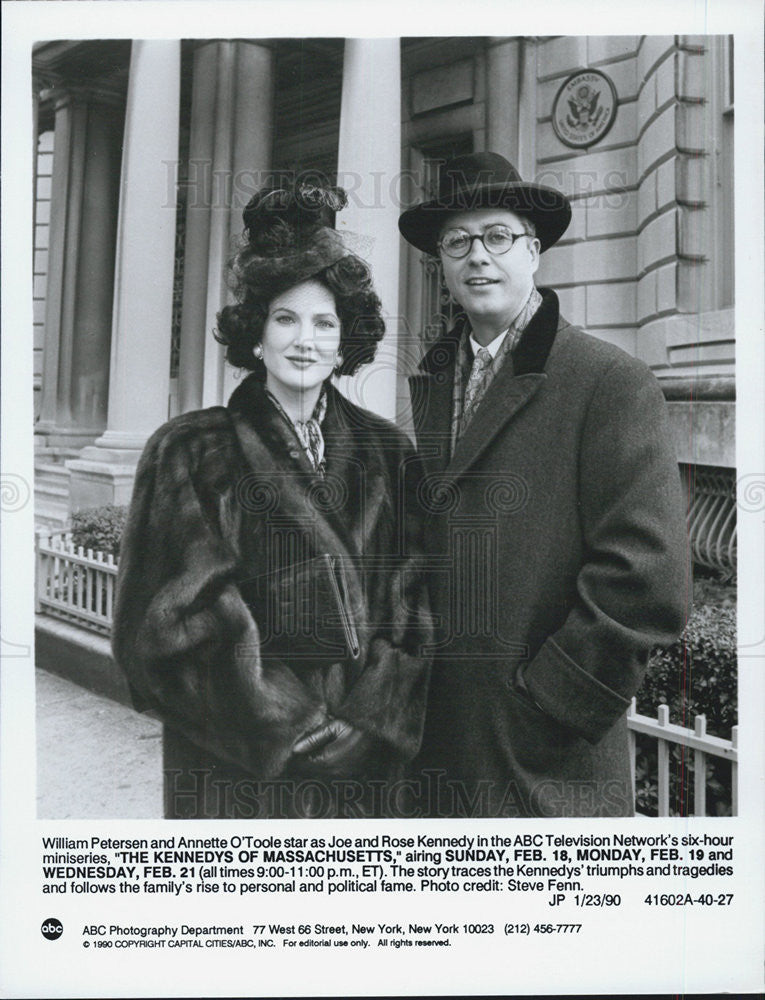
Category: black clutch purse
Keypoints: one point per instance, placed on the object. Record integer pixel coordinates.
(303, 612)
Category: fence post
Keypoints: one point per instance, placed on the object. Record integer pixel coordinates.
(663, 764)
(734, 773)
(39, 583)
(700, 770)
(632, 748)
(109, 587)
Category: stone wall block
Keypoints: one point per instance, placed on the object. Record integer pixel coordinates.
(612, 305)
(658, 240)
(692, 180)
(623, 337)
(596, 260)
(44, 183)
(603, 47)
(652, 49)
(647, 196)
(646, 297)
(694, 128)
(666, 82)
(693, 43)
(692, 77)
(573, 303)
(651, 345)
(657, 140)
(695, 231)
(562, 55)
(612, 213)
(694, 287)
(666, 287)
(666, 184)
(595, 172)
(577, 229)
(647, 100)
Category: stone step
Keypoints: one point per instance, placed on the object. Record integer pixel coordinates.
(53, 500)
(49, 470)
(51, 491)
(55, 456)
(51, 481)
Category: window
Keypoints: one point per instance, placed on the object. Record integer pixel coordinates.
(723, 170)
(437, 309)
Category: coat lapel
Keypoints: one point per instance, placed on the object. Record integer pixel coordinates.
(431, 393)
(513, 387)
(506, 395)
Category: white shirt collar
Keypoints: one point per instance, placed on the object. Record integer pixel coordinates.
(492, 347)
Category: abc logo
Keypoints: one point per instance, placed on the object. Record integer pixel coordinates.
(52, 929)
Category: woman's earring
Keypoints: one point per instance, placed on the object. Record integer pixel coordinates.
(258, 352)
(338, 363)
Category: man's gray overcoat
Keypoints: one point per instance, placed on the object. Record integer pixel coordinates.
(558, 548)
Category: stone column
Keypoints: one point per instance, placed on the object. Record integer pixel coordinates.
(369, 165)
(143, 284)
(83, 225)
(503, 84)
(527, 109)
(229, 155)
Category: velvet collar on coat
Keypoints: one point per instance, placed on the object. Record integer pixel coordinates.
(509, 391)
(529, 355)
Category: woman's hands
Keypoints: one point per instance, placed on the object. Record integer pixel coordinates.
(335, 749)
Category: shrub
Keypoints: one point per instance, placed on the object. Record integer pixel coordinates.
(99, 528)
(696, 675)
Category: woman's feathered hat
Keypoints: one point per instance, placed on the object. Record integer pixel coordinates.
(288, 236)
(485, 180)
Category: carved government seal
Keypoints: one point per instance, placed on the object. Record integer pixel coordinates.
(584, 108)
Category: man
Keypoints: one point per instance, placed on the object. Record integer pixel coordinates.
(556, 530)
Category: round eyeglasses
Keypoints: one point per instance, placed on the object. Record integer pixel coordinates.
(496, 239)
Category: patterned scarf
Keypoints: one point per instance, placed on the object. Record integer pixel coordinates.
(309, 431)
(464, 365)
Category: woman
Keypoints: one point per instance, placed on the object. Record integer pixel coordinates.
(270, 604)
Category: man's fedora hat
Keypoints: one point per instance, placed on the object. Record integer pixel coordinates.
(485, 180)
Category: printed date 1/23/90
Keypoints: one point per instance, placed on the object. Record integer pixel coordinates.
(687, 899)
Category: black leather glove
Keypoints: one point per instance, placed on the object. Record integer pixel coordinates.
(336, 749)
(313, 741)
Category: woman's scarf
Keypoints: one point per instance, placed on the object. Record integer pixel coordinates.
(309, 431)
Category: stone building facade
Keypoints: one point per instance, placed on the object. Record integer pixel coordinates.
(147, 152)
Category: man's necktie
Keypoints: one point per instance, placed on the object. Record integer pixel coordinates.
(475, 386)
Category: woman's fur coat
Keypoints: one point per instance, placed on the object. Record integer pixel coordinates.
(218, 493)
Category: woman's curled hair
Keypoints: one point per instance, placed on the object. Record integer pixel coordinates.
(287, 241)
